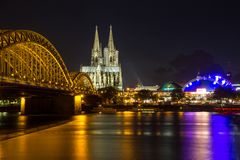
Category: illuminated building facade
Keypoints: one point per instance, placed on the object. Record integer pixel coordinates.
(166, 89)
(150, 88)
(105, 69)
(204, 85)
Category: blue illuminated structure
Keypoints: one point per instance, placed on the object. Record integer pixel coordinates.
(209, 83)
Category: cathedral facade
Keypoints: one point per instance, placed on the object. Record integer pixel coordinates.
(105, 69)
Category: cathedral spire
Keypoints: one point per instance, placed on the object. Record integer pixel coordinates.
(96, 44)
(110, 40)
(96, 50)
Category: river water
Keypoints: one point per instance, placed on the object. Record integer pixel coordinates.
(14, 122)
(131, 135)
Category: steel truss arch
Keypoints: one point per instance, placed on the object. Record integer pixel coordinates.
(26, 57)
(82, 82)
(12, 37)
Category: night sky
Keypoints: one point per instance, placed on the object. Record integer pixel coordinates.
(158, 41)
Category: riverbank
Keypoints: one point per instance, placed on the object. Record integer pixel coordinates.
(174, 108)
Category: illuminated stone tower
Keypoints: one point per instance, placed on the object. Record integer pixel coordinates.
(96, 58)
(105, 69)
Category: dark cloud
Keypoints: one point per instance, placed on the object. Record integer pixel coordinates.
(236, 78)
(186, 66)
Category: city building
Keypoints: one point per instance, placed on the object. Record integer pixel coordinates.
(150, 88)
(202, 86)
(165, 90)
(105, 69)
(170, 86)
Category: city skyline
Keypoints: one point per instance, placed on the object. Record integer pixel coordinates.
(119, 79)
(149, 34)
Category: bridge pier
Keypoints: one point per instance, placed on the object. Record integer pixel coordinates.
(78, 103)
(51, 105)
(22, 105)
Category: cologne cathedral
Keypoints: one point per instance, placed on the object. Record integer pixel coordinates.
(105, 69)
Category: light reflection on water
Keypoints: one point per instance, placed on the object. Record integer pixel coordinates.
(193, 135)
(222, 143)
(129, 135)
(196, 136)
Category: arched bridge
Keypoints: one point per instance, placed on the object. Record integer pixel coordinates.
(32, 68)
(29, 59)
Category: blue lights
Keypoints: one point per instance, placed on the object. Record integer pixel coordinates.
(223, 82)
(222, 140)
(208, 82)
